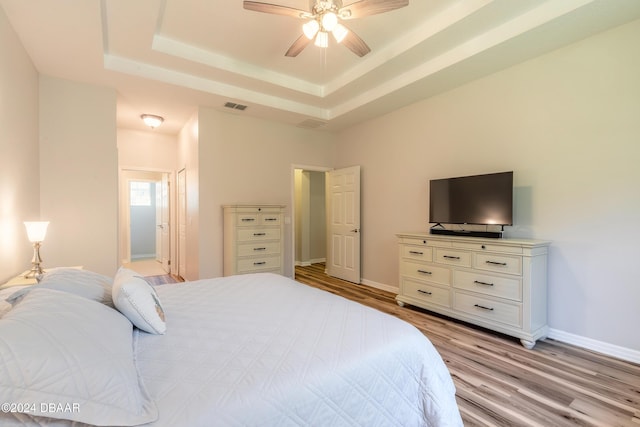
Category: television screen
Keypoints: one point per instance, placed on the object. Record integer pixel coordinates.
(478, 199)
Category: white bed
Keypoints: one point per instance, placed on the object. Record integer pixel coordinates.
(264, 350)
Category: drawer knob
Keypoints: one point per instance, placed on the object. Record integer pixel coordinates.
(450, 257)
(424, 272)
(504, 264)
(416, 253)
(478, 282)
(425, 292)
(483, 307)
(259, 263)
(259, 234)
(271, 219)
(259, 249)
(248, 219)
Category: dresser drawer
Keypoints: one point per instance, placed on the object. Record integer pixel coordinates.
(258, 234)
(416, 252)
(487, 284)
(499, 263)
(427, 272)
(247, 219)
(453, 257)
(258, 264)
(425, 292)
(258, 248)
(269, 219)
(487, 247)
(489, 309)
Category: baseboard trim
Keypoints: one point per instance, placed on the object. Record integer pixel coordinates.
(380, 286)
(612, 350)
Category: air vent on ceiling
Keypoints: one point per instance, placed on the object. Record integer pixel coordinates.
(312, 124)
(235, 106)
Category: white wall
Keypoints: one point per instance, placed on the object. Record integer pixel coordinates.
(247, 160)
(568, 124)
(19, 170)
(188, 155)
(79, 174)
(149, 150)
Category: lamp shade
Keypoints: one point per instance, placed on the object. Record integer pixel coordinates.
(36, 230)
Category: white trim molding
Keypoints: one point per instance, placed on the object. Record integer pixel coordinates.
(612, 350)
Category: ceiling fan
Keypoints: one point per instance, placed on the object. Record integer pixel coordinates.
(324, 17)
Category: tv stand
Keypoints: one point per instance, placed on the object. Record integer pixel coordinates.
(467, 233)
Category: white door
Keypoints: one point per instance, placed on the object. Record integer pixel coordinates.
(182, 224)
(343, 224)
(164, 224)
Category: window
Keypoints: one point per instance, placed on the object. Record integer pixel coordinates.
(140, 193)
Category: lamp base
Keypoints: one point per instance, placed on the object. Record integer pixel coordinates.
(36, 270)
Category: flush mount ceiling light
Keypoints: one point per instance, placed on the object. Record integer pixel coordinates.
(324, 17)
(151, 120)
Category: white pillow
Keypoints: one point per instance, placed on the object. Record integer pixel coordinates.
(136, 299)
(76, 281)
(77, 354)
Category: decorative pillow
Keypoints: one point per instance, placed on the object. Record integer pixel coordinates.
(84, 283)
(136, 299)
(75, 354)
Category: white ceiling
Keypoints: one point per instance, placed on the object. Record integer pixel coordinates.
(167, 57)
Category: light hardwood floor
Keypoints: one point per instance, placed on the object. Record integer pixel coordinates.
(500, 383)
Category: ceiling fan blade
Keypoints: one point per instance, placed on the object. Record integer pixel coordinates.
(356, 44)
(275, 9)
(362, 8)
(298, 46)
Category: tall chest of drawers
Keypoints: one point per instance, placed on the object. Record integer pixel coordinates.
(253, 239)
(499, 284)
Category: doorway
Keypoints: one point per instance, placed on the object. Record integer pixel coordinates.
(144, 220)
(309, 215)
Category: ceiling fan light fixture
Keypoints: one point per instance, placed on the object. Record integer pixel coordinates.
(322, 39)
(310, 29)
(340, 32)
(329, 21)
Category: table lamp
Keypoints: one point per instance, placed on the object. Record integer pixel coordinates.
(36, 231)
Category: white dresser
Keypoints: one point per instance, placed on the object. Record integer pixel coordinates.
(253, 239)
(499, 284)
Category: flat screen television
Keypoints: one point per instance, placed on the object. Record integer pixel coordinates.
(478, 199)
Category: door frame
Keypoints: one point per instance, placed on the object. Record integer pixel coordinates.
(124, 234)
(293, 207)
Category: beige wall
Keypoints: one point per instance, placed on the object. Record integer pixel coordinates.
(247, 160)
(79, 174)
(147, 150)
(19, 170)
(568, 124)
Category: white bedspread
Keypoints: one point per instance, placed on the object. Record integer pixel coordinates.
(263, 350)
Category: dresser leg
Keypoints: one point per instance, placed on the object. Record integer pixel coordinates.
(527, 344)
(400, 303)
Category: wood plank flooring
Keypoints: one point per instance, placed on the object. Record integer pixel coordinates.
(499, 382)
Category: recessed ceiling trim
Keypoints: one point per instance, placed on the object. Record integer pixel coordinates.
(428, 29)
(153, 72)
(189, 52)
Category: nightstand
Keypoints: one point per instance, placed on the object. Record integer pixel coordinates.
(20, 280)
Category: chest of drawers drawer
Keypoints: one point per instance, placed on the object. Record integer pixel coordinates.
(498, 286)
(428, 293)
(258, 249)
(453, 257)
(499, 263)
(258, 234)
(250, 265)
(490, 309)
(426, 272)
(417, 253)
